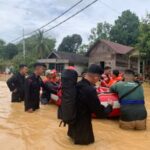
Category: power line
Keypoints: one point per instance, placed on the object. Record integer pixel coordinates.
(108, 6)
(50, 21)
(116, 11)
(57, 17)
(24, 48)
(71, 16)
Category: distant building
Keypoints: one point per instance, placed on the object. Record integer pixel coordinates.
(102, 52)
(118, 56)
(60, 60)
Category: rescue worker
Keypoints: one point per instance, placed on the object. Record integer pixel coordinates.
(54, 76)
(83, 73)
(133, 111)
(33, 84)
(106, 76)
(16, 84)
(48, 81)
(115, 78)
(87, 103)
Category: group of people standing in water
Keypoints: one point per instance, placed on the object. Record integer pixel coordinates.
(133, 113)
(27, 87)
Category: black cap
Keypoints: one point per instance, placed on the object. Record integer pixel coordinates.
(95, 69)
(39, 65)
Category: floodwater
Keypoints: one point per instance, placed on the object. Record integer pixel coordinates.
(41, 131)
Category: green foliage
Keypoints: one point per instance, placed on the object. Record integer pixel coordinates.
(4, 64)
(38, 45)
(50, 45)
(41, 46)
(44, 45)
(102, 31)
(144, 37)
(83, 49)
(2, 46)
(70, 43)
(2, 43)
(9, 51)
(30, 44)
(126, 29)
(19, 59)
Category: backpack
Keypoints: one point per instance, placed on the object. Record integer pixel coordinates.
(67, 109)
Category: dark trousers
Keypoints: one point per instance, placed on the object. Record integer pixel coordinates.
(17, 97)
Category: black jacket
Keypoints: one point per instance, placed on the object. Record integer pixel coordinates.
(33, 85)
(87, 103)
(16, 86)
(46, 92)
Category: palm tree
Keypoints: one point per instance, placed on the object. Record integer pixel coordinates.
(41, 45)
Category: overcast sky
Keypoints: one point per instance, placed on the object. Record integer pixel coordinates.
(31, 14)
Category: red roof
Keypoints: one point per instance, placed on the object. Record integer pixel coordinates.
(118, 48)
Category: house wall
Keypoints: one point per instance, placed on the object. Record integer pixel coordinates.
(80, 68)
(122, 61)
(58, 66)
(65, 63)
(135, 63)
(102, 53)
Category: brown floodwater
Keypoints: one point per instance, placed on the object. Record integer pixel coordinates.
(41, 131)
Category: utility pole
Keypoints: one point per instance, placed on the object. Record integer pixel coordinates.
(24, 48)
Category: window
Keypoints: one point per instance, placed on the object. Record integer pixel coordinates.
(121, 64)
(59, 67)
(51, 66)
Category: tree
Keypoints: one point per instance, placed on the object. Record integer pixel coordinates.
(70, 43)
(50, 44)
(83, 49)
(4, 64)
(41, 45)
(19, 59)
(102, 31)
(10, 51)
(144, 37)
(2, 46)
(44, 45)
(126, 29)
(38, 45)
(30, 45)
(2, 42)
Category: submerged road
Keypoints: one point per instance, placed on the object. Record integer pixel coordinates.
(41, 131)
